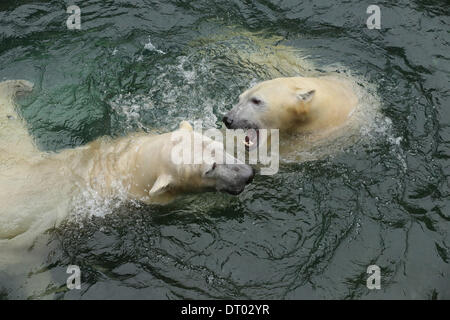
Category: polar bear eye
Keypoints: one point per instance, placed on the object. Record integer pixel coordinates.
(212, 168)
(256, 101)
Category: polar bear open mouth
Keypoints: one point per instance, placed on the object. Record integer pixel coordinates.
(251, 140)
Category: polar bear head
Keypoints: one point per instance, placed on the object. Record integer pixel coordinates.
(274, 104)
(166, 176)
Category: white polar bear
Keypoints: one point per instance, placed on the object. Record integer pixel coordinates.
(294, 105)
(37, 188)
(299, 107)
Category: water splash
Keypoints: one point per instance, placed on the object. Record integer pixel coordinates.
(150, 47)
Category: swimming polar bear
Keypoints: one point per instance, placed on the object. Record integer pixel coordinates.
(298, 106)
(37, 188)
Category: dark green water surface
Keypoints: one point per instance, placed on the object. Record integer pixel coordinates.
(310, 231)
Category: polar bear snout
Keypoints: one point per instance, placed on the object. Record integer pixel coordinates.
(232, 178)
(227, 121)
(250, 175)
(232, 121)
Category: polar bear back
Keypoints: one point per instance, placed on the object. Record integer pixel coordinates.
(15, 142)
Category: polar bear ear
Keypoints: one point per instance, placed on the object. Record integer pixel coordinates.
(161, 184)
(305, 95)
(186, 125)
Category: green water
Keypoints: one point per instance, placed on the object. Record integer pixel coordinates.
(310, 231)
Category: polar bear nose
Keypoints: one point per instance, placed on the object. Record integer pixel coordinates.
(245, 171)
(252, 175)
(228, 122)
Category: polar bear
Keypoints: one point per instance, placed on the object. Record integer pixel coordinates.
(297, 106)
(37, 188)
